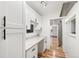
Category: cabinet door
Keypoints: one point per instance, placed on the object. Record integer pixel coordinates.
(28, 54)
(14, 14)
(2, 13)
(14, 43)
(3, 47)
(32, 52)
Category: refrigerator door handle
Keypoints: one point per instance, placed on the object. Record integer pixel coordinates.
(4, 34)
(4, 21)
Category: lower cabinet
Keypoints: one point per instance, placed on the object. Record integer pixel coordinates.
(32, 52)
(11, 43)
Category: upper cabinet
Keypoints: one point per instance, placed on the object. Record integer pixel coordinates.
(11, 14)
(2, 13)
(71, 21)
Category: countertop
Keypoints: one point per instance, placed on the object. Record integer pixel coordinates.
(32, 41)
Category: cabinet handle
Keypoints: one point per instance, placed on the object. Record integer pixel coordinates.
(4, 21)
(33, 56)
(33, 49)
(4, 34)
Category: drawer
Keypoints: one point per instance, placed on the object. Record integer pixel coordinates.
(34, 55)
(27, 54)
(32, 52)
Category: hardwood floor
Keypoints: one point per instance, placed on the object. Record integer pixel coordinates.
(54, 52)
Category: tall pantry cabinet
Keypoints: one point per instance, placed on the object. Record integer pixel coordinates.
(11, 29)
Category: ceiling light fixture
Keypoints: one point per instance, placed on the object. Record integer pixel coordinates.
(43, 3)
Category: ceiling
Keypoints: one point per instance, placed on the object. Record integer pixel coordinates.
(52, 6)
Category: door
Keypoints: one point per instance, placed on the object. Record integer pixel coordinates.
(13, 14)
(3, 49)
(11, 35)
(14, 39)
(3, 46)
(2, 13)
(11, 45)
(54, 30)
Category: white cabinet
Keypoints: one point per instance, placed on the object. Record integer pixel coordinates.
(2, 13)
(12, 11)
(14, 43)
(11, 35)
(14, 14)
(11, 46)
(32, 52)
(3, 49)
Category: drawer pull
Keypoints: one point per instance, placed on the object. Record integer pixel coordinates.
(33, 57)
(33, 49)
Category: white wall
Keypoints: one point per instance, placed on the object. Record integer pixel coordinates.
(46, 24)
(70, 42)
(30, 14)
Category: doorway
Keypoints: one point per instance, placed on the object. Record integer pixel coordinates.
(56, 31)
